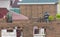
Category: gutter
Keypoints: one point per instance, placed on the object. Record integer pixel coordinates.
(36, 3)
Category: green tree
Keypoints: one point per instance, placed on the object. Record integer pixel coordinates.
(57, 16)
(51, 18)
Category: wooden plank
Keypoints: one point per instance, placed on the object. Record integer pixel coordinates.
(28, 11)
(34, 10)
(39, 11)
(53, 10)
(45, 8)
(23, 9)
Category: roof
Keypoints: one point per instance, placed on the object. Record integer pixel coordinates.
(16, 16)
(17, 10)
(37, 1)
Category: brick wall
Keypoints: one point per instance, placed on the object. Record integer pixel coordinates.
(38, 10)
(52, 28)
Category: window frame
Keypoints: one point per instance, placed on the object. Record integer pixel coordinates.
(40, 32)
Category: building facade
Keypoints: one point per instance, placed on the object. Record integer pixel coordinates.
(28, 24)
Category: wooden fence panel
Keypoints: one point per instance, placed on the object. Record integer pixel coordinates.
(34, 10)
(23, 9)
(39, 11)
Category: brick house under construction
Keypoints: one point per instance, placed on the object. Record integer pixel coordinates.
(27, 23)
